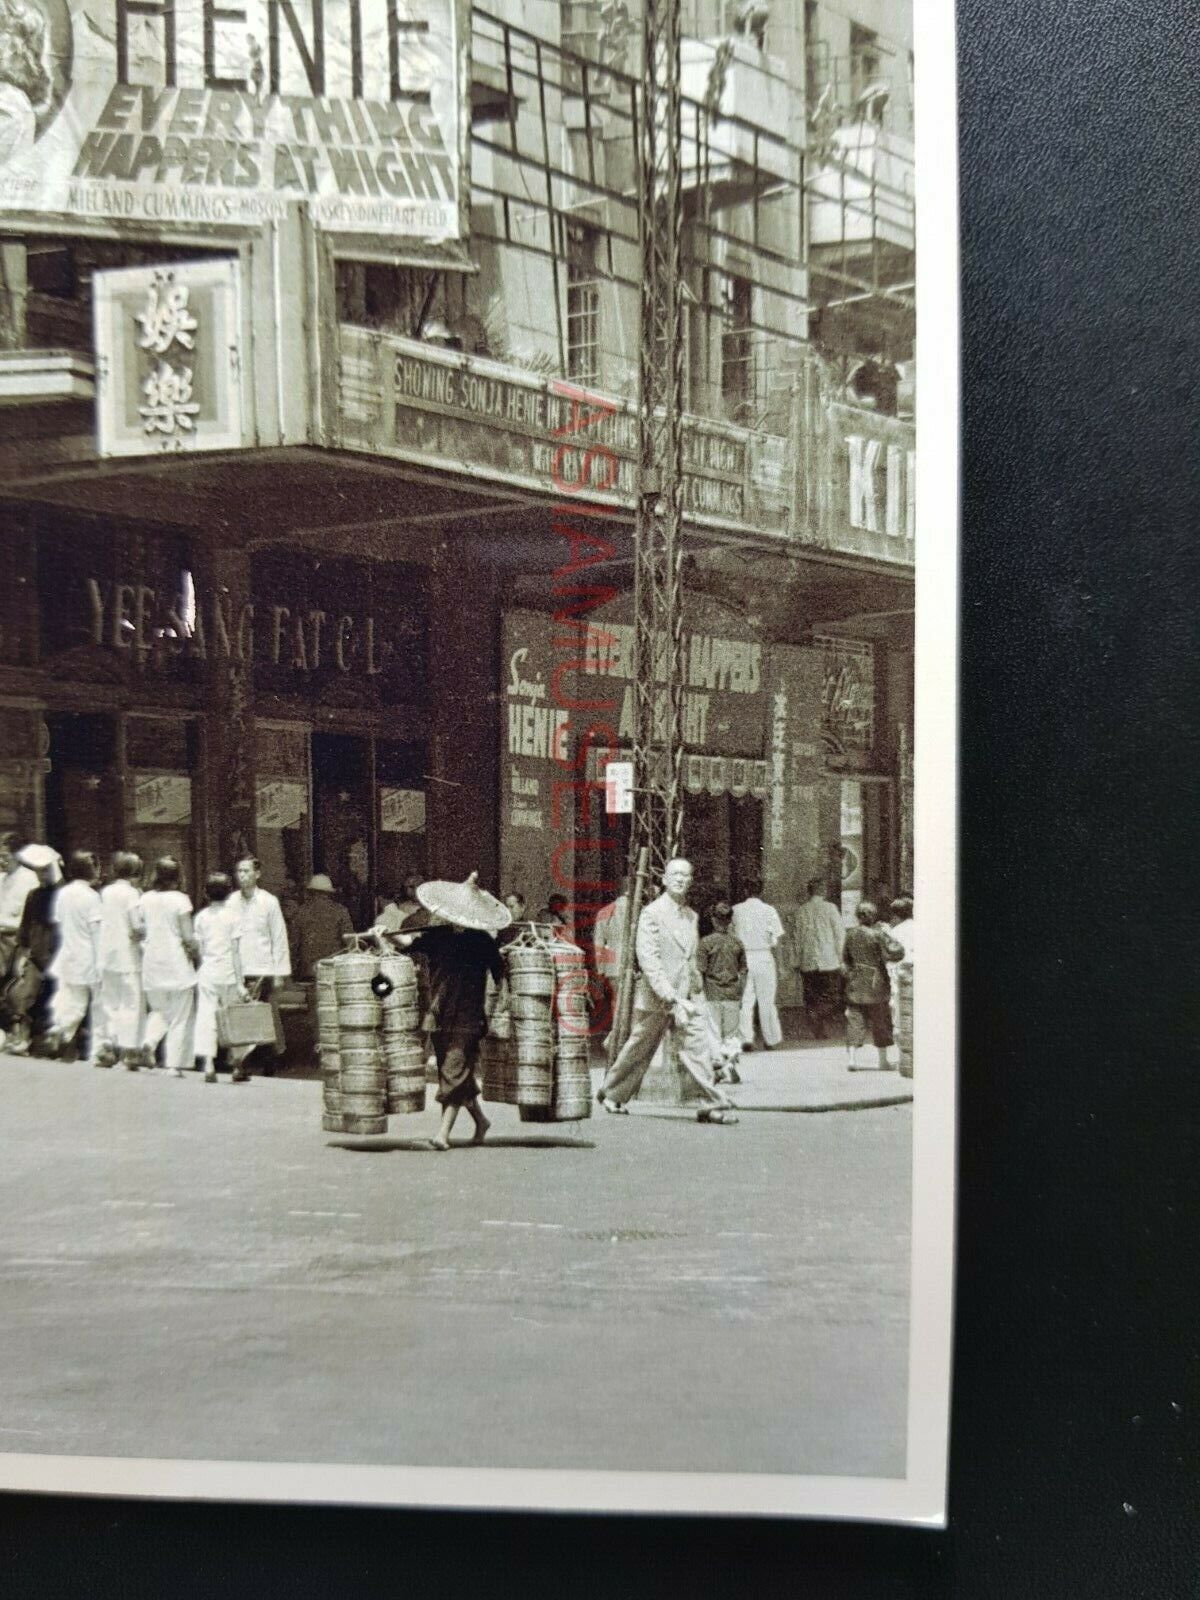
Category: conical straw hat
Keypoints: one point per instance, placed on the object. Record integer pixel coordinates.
(465, 904)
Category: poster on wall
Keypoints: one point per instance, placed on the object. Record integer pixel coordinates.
(791, 834)
(401, 811)
(723, 707)
(280, 803)
(162, 799)
(185, 111)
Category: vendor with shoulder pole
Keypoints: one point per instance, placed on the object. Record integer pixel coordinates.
(460, 947)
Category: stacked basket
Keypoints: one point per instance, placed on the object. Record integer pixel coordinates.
(531, 1004)
(361, 1081)
(904, 1017)
(327, 1045)
(497, 1065)
(403, 1051)
(571, 1091)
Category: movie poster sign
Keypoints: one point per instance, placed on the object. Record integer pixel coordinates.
(210, 112)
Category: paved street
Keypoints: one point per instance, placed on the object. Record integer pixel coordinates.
(197, 1270)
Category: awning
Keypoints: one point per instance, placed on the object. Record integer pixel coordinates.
(450, 256)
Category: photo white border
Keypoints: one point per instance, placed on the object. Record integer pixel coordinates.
(920, 1497)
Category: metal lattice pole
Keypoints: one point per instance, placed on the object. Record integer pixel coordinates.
(658, 544)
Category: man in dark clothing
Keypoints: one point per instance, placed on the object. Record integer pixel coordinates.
(460, 956)
(319, 927)
(722, 962)
(37, 944)
(869, 949)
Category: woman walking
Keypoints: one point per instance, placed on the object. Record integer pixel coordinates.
(75, 968)
(120, 982)
(869, 948)
(168, 972)
(460, 947)
(219, 978)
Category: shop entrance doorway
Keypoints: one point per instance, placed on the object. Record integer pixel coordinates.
(83, 790)
(342, 819)
(722, 838)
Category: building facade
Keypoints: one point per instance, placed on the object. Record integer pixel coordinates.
(318, 364)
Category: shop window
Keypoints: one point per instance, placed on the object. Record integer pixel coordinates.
(50, 270)
(410, 301)
(58, 282)
(22, 765)
(583, 303)
(342, 822)
(282, 807)
(82, 787)
(161, 793)
(402, 850)
(737, 348)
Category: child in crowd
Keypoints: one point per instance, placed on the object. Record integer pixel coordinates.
(722, 963)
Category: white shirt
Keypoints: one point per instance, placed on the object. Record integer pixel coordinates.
(118, 953)
(215, 934)
(15, 887)
(258, 923)
(820, 936)
(165, 963)
(757, 925)
(77, 913)
(903, 934)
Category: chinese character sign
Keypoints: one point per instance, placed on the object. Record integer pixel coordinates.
(199, 111)
(167, 351)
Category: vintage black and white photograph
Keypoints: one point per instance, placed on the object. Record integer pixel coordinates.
(477, 770)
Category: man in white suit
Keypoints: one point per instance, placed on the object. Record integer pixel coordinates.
(669, 994)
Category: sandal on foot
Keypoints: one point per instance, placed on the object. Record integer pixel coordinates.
(613, 1107)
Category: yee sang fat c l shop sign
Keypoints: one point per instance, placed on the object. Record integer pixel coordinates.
(203, 111)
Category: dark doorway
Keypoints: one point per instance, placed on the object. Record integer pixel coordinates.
(343, 831)
(83, 792)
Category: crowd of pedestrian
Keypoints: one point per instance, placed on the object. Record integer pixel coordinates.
(847, 974)
(128, 963)
(125, 956)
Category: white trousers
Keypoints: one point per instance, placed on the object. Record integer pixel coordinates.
(208, 998)
(68, 1006)
(762, 984)
(120, 1011)
(172, 1018)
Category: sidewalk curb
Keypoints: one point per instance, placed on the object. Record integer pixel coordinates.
(837, 1105)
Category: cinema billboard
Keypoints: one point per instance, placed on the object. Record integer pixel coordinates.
(201, 111)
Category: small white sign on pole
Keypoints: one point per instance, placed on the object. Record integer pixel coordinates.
(618, 788)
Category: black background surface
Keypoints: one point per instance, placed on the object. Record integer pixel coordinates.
(1074, 1461)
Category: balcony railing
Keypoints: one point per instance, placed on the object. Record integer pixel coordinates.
(863, 192)
(749, 108)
